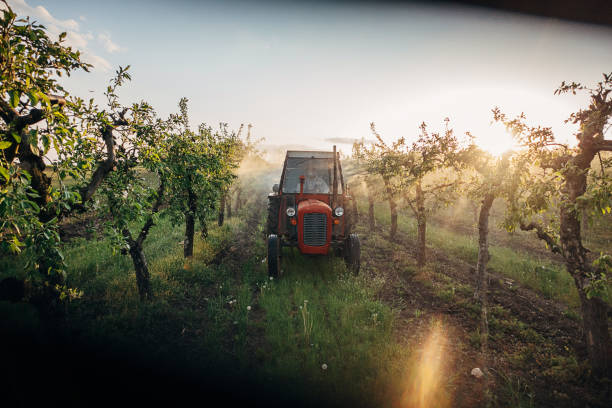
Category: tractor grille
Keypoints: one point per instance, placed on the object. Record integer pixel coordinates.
(315, 229)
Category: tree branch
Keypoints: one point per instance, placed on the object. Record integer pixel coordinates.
(603, 146)
(8, 114)
(431, 190)
(160, 198)
(409, 201)
(104, 167)
(543, 235)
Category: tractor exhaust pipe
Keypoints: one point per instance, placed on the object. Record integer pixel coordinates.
(335, 185)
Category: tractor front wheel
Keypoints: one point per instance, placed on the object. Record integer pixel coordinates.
(352, 253)
(273, 255)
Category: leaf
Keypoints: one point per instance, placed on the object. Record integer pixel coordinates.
(33, 98)
(13, 98)
(5, 145)
(5, 173)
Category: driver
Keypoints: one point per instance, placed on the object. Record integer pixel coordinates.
(313, 183)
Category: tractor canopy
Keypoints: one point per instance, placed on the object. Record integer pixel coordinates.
(317, 169)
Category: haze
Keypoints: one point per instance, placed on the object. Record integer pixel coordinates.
(313, 75)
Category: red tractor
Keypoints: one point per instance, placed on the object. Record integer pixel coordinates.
(309, 210)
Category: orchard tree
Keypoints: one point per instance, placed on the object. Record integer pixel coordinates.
(421, 172)
(133, 194)
(379, 160)
(46, 136)
(225, 200)
(488, 180)
(568, 181)
(199, 165)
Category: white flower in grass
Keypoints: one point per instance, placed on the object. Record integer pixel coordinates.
(248, 307)
(271, 277)
(305, 301)
(324, 366)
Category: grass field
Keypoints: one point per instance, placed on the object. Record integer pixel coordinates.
(318, 334)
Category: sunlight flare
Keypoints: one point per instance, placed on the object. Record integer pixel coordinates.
(426, 384)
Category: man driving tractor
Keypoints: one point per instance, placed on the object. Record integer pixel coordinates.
(313, 182)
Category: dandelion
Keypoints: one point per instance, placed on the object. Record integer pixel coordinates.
(324, 366)
(271, 277)
(248, 307)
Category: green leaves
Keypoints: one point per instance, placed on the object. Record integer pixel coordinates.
(13, 98)
(4, 173)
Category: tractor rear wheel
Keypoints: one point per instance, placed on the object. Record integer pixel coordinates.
(352, 253)
(273, 255)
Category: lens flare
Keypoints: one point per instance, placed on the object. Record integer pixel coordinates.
(425, 388)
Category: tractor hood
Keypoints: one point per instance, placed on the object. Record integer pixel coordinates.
(314, 226)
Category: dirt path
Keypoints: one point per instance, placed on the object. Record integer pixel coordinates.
(532, 338)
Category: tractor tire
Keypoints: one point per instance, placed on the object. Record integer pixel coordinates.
(274, 249)
(352, 253)
(273, 208)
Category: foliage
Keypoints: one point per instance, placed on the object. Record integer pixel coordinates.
(49, 141)
(421, 164)
(30, 64)
(199, 165)
(563, 176)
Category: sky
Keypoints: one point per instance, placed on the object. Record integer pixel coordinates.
(312, 74)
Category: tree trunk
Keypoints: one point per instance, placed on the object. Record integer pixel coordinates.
(229, 205)
(189, 234)
(393, 208)
(594, 310)
(142, 271)
(221, 210)
(421, 226)
(190, 225)
(371, 219)
(483, 247)
(482, 280)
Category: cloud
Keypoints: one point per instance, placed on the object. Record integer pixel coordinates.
(109, 45)
(78, 40)
(74, 38)
(348, 140)
(42, 15)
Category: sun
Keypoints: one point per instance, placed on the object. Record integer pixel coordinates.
(496, 140)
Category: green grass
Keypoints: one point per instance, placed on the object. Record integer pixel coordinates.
(233, 315)
(541, 274)
(325, 326)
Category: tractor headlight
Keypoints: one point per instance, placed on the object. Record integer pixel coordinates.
(290, 211)
(339, 212)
